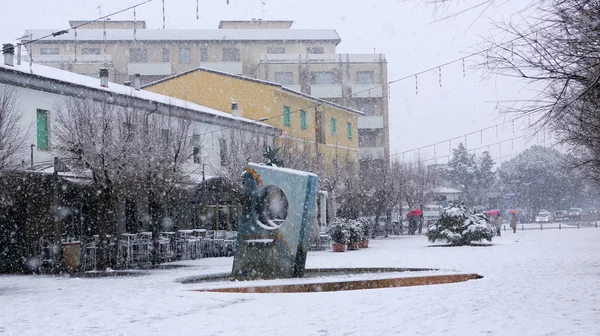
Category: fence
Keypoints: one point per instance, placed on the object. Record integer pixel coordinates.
(552, 226)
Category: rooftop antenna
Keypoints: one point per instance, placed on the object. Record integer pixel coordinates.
(99, 8)
(263, 3)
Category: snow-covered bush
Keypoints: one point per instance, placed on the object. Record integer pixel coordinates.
(338, 231)
(367, 227)
(355, 231)
(459, 227)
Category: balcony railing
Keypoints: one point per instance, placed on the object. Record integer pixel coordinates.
(367, 90)
(68, 58)
(150, 68)
(234, 68)
(370, 122)
(326, 91)
(371, 152)
(321, 58)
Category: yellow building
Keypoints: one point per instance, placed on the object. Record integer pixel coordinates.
(317, 135)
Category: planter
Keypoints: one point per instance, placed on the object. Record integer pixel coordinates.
(338, 247)
(352, 246)
(364, 244)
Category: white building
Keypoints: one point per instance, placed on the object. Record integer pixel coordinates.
(39, 90)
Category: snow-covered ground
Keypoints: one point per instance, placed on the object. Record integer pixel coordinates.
(535, 283)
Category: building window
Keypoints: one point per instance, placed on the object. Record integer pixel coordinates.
(349, 130)
(367, 106)
(315, 50)
(367, 138)
(276, 50)
(42, 130)
(333, 127)
(364, 77)
(164, 136)
(284, 78)
(91, 51)
(49, 51)
(196, 148)
(138, 55)
(185, 55)
(303, 123)
(203, 54)
(287, 118)
(166, 55)
(231, 54)
(323, 78)
(223, 151)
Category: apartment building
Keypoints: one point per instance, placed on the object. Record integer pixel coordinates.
(310, 127)
(303, 60)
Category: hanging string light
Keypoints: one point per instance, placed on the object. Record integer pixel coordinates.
(496, 131)
(105, 48)
(434, 153)
(134, 25)
(416, 85)
(481, 135)
(463, 66)
(163, 12)
(197, 9)
(440, 75)
(450, 145)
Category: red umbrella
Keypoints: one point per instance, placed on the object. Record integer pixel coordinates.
(493, 212)
(417, 212)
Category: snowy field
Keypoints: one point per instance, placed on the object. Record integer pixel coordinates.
(535, 283)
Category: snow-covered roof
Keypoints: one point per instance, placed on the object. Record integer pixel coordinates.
(255, 80)
(94, 83)
(190, 35)
(446, 190)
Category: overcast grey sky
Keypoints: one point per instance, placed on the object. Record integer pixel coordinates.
(406, 31)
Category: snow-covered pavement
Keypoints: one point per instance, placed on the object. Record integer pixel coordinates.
(535, 283)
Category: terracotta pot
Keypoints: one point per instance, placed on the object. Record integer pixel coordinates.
(364, 244)
(338, 247)
(352, 246)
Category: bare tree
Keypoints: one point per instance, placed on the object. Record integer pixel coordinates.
(560, 54)
(237, 148)
(12, 136)
(88, 136)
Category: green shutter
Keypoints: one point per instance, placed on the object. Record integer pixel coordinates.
(196, 140)
(303, 124)
(333, 127)
(42, 129)
(287, 118)
(349, 130)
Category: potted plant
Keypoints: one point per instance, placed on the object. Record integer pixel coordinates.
(339, 236)
(366, 232)
(354, 235)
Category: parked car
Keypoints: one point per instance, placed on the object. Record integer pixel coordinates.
(575, 213)
(594, 214)
(561, 215)
(543, 216)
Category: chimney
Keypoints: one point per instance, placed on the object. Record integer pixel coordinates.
(8, 50)
(103, 77)
(127, 83)
(234, 109)
(137, 81)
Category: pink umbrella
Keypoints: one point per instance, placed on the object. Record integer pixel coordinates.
(493, 212)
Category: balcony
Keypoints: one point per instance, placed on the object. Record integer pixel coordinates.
(234, 68)
(61, 59)
(150, 69)
(370, 122)
(326, 91)
(371, 152)
(321, 58)
(367, 90)
(297, 88)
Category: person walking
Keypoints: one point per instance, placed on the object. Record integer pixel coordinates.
(498, 224)
(513, 222)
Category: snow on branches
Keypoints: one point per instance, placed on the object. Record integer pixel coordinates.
(459, 227)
